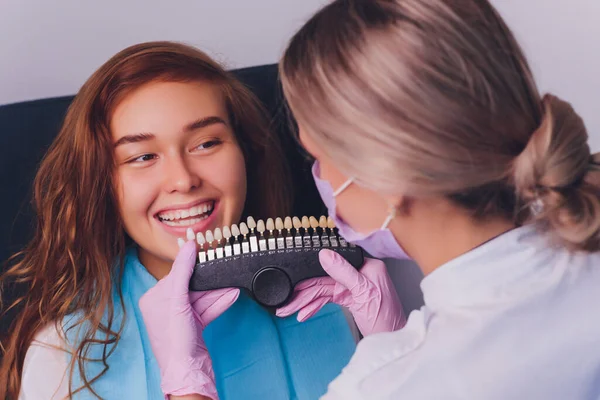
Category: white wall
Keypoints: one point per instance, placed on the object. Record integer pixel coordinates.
(48, 48)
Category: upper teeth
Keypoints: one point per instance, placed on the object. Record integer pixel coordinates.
(186, 213)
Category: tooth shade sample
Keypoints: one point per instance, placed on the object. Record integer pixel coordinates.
(270, 224)
(244, 229)
(260, 226)
(287, 223)
(305, 223)
(330, 223)
(323, 222)
(235, 231)
(190, 234)
(209, 236)
(278, 224)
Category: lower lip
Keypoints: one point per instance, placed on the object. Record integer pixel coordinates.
(181, 231)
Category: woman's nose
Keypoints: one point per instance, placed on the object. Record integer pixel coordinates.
(180, 177)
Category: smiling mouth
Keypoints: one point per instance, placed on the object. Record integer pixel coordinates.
(187, 216)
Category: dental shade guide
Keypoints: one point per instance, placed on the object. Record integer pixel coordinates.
(289, 239)
(283, 257)
(235, 232)
(201, 242)
(333, 239)
(245, 243)
(271, 228)
(218, 237)
(280, 238)
(253, 240)
(210, 239)
(306, 242)
(260, 228)
(297, 237)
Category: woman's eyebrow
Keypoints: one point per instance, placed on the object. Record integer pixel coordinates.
(204, 122)
(134, 138)
(192, 126)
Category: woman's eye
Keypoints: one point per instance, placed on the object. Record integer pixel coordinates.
(143, 158)
(208, 145)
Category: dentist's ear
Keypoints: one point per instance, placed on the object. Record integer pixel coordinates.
(403, 205)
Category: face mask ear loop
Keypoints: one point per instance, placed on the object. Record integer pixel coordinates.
(343, 187)
(389, 218)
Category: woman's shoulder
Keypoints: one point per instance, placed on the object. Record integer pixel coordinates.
(45, 370)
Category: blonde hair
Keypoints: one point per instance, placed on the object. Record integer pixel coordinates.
(435, 98)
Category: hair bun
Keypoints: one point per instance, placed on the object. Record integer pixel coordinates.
(550, 172)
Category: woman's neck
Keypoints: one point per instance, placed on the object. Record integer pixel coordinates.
(156, 266)
(438, 233)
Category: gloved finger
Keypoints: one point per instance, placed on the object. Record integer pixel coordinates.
(320, 281)
(311, 309)
(340, 270)
(215, 303)
(304, 297)
(182, 269)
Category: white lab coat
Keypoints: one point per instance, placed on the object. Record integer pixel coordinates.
(513, 319)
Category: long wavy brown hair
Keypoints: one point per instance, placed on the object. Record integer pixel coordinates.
(75, 259)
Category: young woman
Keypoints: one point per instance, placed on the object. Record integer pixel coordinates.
(159, 140)
(432, 141)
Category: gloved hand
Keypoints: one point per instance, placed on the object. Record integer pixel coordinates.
(369, 294)
(175, 320)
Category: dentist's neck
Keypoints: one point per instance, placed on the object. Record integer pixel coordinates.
(436, 231)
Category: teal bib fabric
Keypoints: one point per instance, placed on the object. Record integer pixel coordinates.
(255, 354)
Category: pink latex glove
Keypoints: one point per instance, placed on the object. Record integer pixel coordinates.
(369, 294)
(175, 319)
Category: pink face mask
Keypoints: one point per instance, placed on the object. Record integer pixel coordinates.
(380, 243)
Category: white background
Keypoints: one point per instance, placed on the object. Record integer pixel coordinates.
(49, 48)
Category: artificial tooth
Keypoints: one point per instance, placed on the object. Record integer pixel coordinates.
(190, 234)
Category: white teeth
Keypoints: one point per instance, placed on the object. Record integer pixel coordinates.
(191, 212)
(244, 228)
(185, 222)
(251, 223)
(218, 234)
(200, 238)
(226, 232)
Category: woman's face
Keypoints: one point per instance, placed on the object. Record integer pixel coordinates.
(179, 166)
(363, 209)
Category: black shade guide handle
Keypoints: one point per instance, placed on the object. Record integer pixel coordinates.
(270, 276)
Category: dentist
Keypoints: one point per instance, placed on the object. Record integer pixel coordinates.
(432, 141)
